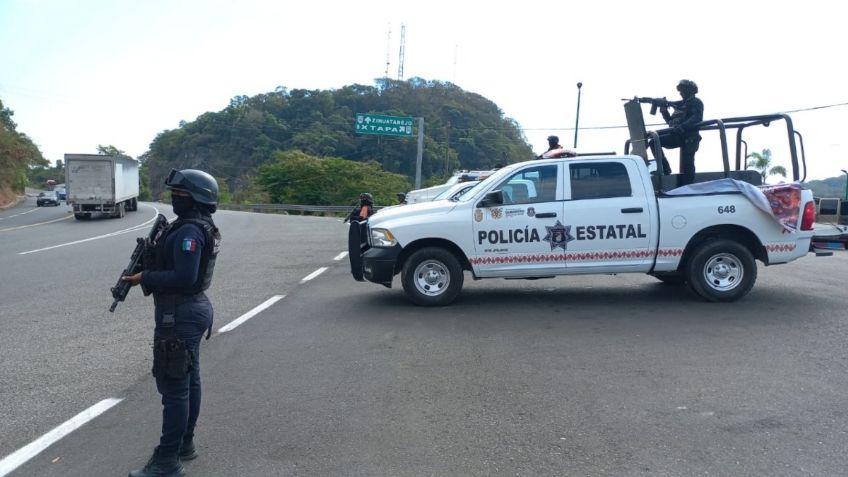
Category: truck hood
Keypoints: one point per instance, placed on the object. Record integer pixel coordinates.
(411, 212)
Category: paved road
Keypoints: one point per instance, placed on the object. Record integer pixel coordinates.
(607, 375)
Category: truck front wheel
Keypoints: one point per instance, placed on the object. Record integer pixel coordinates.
(721, 270)
(120, 210)
(432, 276)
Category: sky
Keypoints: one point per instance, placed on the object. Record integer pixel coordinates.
(81, 73)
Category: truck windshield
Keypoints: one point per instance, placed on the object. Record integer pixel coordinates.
(497, 176)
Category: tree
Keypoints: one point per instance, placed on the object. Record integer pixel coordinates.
(463, 131)
(109, 150)
(298, 178)
(17, 155)
(762, 163)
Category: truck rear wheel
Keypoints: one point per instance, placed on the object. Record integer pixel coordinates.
(432, 276)
(721, 270)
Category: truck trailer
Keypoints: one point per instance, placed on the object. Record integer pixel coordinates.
(103, 184)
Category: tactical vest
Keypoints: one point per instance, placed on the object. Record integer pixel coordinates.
(209, 254)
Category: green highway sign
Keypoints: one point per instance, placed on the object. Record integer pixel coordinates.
(385, 125)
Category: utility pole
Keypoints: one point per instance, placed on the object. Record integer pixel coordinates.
(846, 184)
(577, 121)
(420, 155)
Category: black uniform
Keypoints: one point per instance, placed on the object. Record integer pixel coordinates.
(682, 134)
(185, 259)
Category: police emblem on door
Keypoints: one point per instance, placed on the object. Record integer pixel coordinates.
(558, 236)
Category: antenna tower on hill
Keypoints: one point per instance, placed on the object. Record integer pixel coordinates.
(402, 51)
(388, 52)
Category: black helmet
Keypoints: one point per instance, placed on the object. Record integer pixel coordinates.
(202, 186)
(366, 198)
(687, 87)
(553, 139)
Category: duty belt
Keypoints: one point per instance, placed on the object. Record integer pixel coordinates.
(168, 303)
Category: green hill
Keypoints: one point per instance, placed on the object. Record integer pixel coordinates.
(463, 130)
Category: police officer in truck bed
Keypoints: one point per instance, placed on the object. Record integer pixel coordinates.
(681, 132)
(177, 272)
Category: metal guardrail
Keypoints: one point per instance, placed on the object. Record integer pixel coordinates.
(286, 208)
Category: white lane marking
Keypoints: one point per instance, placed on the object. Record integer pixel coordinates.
(341, 256)
(22, 213)
(18, 227)
(250, 314)
(111, 234)
(313, 275)
(21, 456)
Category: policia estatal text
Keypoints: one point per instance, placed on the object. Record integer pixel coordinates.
(177, 271)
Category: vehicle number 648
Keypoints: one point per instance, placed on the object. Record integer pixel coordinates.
(727, 209)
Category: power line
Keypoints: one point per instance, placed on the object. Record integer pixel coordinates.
(801, 110)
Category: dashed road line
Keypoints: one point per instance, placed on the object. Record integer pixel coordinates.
(250, 314)
(22, 213)
(21, 456)
(313, 275)
(18, 227)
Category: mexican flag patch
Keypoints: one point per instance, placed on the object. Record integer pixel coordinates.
(189, 245)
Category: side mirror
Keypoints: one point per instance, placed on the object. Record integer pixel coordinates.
(491, 199)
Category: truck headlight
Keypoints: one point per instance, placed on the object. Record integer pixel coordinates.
(382, 238)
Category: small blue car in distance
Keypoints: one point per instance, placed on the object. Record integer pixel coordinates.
(61, 193)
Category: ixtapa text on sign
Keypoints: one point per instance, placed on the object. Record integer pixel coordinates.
(387, 125)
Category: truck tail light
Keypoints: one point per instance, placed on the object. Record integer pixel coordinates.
(809, 216)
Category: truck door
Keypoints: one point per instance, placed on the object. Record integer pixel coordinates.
(609, 217)
(523, 236)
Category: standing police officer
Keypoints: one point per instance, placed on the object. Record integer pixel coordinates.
(682, 132)
(177, 272)
(364, 210)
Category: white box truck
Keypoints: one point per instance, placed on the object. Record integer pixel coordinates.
(98, 183)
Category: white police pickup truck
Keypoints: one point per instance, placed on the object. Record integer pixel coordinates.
(586, 215)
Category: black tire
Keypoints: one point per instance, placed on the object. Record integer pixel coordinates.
(671, 278)
(354, 250)
(133, 204)
(721, 270)
(80, 216)
(432, 276)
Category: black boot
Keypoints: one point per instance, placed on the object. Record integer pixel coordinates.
(187, 451)
(160, 466)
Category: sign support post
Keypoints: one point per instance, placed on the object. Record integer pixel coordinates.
(420, 156)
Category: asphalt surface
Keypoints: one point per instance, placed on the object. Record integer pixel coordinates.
(589, 375)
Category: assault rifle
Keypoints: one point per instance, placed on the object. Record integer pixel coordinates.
(659, 103)
(120, 290)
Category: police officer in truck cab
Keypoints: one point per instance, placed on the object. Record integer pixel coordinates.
(177, 272)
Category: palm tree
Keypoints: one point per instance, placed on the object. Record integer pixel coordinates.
(762, 163)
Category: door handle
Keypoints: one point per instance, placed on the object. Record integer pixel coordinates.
(632, 210)
(546, 215)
